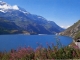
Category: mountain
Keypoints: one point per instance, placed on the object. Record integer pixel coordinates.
(32, 23)
(73, 31)
(7, 27)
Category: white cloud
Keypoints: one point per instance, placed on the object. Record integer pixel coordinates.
(65, 27)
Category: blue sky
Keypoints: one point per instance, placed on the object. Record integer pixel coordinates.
(63, 12)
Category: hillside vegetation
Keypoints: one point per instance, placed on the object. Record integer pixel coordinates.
(7, 27)
(73, 31)
(41, 53)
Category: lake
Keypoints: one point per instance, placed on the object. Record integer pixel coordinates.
(8, 42)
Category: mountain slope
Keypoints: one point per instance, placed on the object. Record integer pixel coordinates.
(34, 24)
(73, 31)
(7, 27)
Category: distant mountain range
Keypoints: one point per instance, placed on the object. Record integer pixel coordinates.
(14, 19)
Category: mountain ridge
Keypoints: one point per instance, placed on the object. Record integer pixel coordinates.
(32, 23)
(73, 31)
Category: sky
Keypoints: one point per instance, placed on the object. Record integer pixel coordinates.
(63, 12)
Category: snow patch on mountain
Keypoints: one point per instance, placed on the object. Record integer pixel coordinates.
(2, 11)
(25, 12)
(15, 7)
(4, 5)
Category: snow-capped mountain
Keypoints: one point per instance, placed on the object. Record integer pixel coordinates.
(34, 24)
(4, 7)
